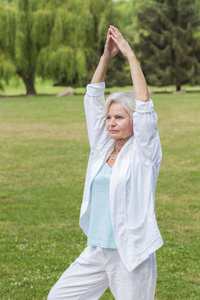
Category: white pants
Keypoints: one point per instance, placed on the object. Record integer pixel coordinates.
(96, 269)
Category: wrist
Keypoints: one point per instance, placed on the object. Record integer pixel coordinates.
(131, 57)
(104, 59)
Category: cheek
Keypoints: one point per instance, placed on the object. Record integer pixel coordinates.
(107, 125)
(126, 126)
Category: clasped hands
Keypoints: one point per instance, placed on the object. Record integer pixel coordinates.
(115, 42)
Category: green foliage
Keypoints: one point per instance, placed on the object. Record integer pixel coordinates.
(63, 40)
(43, 20)
(60, 40)
(128, 11)
(168, 47)
(65, 55)
(7, 37)
(7, 69)
(25, 28)
(77, 41)
(8, 23)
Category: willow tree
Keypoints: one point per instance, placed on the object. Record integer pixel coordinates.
(7, 69)
(56, 39)
(25, 27)
(77, 40)
(169, 48)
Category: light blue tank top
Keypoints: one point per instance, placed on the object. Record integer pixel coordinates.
(100, 232)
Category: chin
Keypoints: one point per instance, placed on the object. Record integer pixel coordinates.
(114, 136)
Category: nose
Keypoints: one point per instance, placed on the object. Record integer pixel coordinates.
(112, 122)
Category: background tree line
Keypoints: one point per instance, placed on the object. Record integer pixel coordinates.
(63, 40)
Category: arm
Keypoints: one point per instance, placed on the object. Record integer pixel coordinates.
(110, 50)
(147, 142)
(100, 73)
(139, 82)
(138, 79)
(94, 98)
(94, 111)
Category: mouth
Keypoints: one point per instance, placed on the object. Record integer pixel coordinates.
(113, 131)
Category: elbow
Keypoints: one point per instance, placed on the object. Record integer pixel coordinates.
(143, 97)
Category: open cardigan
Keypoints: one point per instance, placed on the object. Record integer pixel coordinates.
(133, 179)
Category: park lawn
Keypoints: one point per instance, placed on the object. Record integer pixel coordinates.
(16, 87)
(44, 152)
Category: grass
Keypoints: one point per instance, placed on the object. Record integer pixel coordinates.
(16, 87)
(43, 160)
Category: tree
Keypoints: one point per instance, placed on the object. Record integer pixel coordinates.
(7, 69)
(25, 28)
(168, 47)
(56, 39)
(77, 40)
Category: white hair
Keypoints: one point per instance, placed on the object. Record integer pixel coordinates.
(127, 100)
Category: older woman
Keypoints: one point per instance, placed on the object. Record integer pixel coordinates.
(117, 213)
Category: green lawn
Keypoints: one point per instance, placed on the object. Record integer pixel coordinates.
(16, 87)
(43, 160)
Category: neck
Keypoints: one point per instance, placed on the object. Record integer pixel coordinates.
(119, 143)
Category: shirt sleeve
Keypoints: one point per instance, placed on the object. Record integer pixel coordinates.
(147, 141)
(94, 110)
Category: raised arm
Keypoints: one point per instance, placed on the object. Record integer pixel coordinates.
(147, 141)
(94, 98)
(139, 82)
(110, 50)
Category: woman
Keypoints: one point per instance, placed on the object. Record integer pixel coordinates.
(117, 212)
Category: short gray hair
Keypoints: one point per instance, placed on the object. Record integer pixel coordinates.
(127, 100)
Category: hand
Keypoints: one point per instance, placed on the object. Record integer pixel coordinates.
(111, 48)
(122, 44)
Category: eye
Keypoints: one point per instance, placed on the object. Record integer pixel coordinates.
(119, 117)
(107, 118)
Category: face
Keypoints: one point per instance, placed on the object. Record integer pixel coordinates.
(118, 122)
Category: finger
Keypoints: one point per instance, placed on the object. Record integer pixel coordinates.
(115, 34)
(109, 40)
(112, 28)
(114, 39)
(108, 33)
(116, 29)
(118, 32)
(109, 36)
(109, 30)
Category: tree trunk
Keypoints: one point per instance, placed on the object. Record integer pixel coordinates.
(178, 87)
(29, 83)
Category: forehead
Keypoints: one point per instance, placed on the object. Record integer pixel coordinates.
(116, 108)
